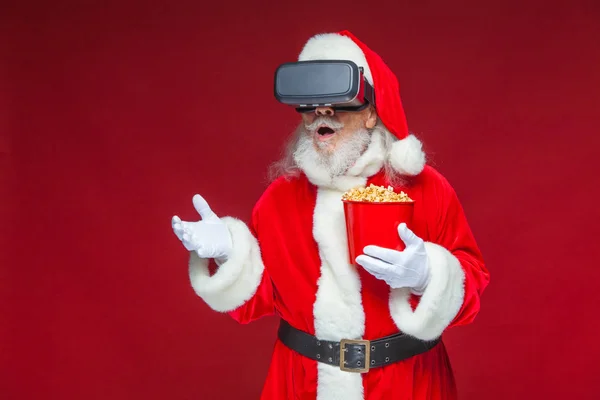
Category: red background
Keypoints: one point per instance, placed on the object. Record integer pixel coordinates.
(113, 115)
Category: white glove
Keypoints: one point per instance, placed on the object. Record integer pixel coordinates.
(209, 238)
(408, 268)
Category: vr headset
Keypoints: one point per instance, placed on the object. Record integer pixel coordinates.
(339, 84)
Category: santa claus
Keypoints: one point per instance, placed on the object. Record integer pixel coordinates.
(369, 328)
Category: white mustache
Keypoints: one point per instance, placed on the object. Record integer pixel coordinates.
(324, 121)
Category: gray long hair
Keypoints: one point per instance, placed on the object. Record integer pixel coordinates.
(287, 167)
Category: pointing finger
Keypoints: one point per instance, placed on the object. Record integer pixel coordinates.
(373, 265)
(388, 255)
(177, 228)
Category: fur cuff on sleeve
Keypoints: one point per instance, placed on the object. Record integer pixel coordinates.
(440, 302)
(236, 279)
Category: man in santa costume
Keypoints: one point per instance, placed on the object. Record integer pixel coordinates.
(361, 329)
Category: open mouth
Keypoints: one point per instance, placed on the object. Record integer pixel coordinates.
(325, 132)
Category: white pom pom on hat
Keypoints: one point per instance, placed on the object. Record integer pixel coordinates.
(406, 156)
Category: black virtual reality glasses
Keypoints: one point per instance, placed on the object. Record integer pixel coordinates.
(339, 84)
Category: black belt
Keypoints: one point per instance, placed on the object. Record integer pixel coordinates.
(356, 355)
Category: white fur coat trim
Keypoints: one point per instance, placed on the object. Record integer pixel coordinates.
(237, 279)
(440, 302)
(338, 311)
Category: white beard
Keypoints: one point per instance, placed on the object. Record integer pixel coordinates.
(336, 162)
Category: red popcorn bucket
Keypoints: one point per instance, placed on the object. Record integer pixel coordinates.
(375, 223)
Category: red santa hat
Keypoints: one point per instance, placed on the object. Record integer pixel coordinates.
(406, 155)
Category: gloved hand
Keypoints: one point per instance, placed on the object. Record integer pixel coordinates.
(408, 268)
(209, 238)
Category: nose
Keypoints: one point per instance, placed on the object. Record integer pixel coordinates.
(319, 111)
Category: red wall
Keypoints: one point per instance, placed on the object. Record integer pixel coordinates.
(114, 115)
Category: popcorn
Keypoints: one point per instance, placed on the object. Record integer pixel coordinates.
(376, 194)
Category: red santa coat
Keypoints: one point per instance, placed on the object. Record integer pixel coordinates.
(292, 261)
